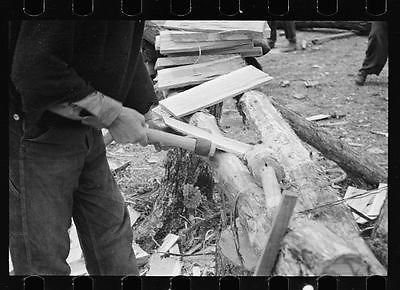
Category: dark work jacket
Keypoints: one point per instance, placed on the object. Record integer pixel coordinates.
(66, 60)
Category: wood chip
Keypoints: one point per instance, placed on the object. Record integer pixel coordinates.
(311, 84)
(284, 84)
(117, 164)
(169, 266)
(196, 271)
(375, 150)
(133, 215)
(355, 144)
(10, 264)
(299, 96)
(168, 242)
(159, 266)
(380, 133)
(75, 258)
(141, 255)
(341, 123)
(318, 117)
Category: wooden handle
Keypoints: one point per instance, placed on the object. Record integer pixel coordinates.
(199, 146)
(279, 226)
(171, 140)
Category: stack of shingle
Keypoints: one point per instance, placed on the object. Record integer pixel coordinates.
(198, 51)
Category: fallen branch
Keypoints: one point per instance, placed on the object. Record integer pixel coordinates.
(351, 161)
(327, 38)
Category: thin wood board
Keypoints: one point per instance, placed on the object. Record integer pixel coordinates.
(189, 36)
(215, 91)
(243, 50)
(169, 46)
(174, 61)
(220, 142)
(194, 74)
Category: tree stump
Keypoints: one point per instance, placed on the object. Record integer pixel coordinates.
(186, 175)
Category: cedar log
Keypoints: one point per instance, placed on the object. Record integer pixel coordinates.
(309, 248)
(351, 161)
(309, 181)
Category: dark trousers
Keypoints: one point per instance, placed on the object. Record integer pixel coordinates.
(377, 51)
(288, 26)
(55, 174)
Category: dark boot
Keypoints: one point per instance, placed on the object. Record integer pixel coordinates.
(292, 46)
(360, 78)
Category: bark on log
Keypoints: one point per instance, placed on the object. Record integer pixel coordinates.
(351, 161)
(305, 178)
(309, 248)
(362, 27)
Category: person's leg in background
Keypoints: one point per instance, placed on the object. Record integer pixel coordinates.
(272, 36)
(101, 216)
(377, 52)
(290, 33)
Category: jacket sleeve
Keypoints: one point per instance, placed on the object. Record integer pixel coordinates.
(141, 95)
(41, 70)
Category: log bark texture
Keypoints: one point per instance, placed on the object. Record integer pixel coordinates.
(304, 177)
(354, 163)
(309, 247)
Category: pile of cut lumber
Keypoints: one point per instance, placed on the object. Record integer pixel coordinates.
(210, 37)
(199, 51)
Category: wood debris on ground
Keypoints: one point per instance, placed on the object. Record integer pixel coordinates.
(133, 214)
(141, 255)
(366, 204)
(380, 133)
(160, 264)
(75, 257)
(318, 117)
(311, 83)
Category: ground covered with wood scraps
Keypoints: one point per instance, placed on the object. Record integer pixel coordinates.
(316, 80)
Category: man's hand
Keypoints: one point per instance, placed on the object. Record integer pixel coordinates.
(129, 127)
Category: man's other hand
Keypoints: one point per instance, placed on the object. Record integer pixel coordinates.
(129, 127)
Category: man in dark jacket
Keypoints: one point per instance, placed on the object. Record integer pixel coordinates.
(377, 52)
(68, 80)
